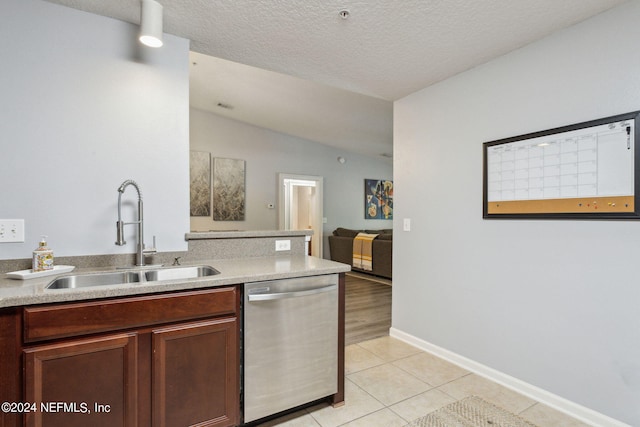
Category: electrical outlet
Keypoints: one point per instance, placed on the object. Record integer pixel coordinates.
(283, 245)
(11, 230)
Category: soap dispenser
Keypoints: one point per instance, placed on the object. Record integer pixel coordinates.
(42, 257)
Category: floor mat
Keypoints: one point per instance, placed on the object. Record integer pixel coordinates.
(471, 412)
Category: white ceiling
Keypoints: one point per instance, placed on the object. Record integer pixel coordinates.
(297, 67)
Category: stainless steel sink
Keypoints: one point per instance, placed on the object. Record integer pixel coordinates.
(124, 277)
(97, 279)
(177, 273)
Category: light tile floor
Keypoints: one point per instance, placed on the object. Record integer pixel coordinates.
(390, 383)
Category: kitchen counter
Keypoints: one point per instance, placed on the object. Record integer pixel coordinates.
(232, 271)
(242, 234)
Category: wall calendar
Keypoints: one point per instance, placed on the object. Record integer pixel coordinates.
(586, 170)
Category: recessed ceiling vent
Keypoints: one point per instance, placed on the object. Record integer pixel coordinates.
(225, 106)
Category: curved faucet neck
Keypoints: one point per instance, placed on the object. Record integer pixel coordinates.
(120, 224)
(121, 189)
(128, 183)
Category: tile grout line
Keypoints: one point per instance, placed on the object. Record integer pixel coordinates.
(362, 416)
(529, 407)
(385, 406)
(392, 363)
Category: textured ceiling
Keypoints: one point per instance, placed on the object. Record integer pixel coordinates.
(354, 67)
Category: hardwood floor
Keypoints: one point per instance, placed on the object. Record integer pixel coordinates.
(367, 309)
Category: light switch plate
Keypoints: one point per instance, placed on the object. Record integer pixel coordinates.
(11, 230)
(406, 224)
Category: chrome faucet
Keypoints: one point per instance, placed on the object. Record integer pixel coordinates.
(141, 252)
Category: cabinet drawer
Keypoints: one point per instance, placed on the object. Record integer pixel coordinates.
(74, 319)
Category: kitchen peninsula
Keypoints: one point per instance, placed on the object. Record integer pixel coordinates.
(163, 352)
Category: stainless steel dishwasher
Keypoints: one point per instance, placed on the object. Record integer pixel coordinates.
(290, 343)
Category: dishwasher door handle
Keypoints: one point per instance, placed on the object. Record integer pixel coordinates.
(294, 294)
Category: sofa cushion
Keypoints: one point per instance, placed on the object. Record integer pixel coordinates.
(345, 232)
(383, 231)
(385, 236)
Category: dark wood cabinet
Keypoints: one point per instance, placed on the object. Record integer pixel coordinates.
(167, 359)
(155, 360)
(10, 364)
(194, 374)
(83, 382)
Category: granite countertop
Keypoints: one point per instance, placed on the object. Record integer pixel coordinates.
(232, 271)
(244, 234)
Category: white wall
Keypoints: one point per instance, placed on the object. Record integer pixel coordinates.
(553, 303)
(267, 153)
(85, 107)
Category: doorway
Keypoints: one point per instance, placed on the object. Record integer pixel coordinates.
(300, 206)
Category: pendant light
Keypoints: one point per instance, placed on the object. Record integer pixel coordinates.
(150, 23)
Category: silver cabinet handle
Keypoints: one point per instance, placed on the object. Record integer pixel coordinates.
(283, 295)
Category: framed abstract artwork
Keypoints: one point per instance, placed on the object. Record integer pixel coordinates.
(228, 189)
(200, 183)
(378, 199)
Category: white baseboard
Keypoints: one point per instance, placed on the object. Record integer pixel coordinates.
(561, 404)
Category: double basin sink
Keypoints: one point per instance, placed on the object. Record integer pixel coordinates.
(132, 276)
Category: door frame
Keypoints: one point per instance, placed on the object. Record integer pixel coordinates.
(318, 213)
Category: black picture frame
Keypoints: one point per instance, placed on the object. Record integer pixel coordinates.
(609, 207)
(378, 199)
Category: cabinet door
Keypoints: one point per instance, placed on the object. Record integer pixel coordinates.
(85, 382)
(196, 374)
